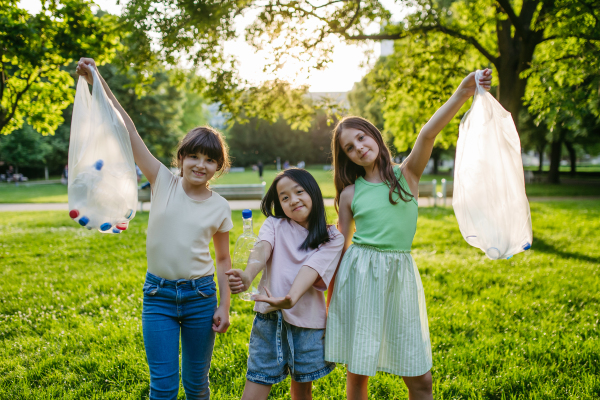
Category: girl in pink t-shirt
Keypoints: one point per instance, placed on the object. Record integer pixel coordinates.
(301, 254)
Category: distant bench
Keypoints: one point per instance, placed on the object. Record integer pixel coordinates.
(229, 192)
(429, 189)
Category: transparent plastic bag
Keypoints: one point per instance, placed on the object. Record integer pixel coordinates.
(102, 176)
(489, 187)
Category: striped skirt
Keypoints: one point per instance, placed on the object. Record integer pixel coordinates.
(377, 317)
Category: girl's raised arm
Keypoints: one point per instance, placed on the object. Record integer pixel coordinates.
(142, 156)
(419, 156)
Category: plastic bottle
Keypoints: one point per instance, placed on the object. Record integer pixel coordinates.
(244, 249)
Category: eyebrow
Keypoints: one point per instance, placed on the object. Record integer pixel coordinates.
(295, 186)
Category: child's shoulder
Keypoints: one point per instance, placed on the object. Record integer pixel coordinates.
(220, 201)
(335, 237)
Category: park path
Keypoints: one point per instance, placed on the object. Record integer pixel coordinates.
(255, 204)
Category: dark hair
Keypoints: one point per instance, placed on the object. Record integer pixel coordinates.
(347, 172)
(317, 220)
(207, 141)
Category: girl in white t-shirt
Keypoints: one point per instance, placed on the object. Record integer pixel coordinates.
(301, 254)
(180, 292)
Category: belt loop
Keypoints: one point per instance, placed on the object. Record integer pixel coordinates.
(162, 282)
(193, 283)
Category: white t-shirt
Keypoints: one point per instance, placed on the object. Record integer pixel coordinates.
(180, 229)
(285, 236)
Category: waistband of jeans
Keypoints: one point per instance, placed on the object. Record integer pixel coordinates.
(273, 315)
(162, 282)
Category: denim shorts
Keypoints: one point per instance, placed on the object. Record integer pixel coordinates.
(277, 349)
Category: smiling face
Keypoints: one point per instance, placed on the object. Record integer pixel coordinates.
(295, 201)
(198, 169)
(360, 148)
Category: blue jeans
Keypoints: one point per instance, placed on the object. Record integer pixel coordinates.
(174, 308)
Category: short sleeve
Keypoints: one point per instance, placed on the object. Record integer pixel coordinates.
(325, 260)
(267, 232)
(227, 223)
(163, 179)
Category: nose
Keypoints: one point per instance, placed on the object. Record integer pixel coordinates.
(294, 200)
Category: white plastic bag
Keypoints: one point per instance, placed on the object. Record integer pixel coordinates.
(102, 176)
(489, 189)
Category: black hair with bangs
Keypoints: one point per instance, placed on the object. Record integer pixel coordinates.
(317, 220)
(205, 140)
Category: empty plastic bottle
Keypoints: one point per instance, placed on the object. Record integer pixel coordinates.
(245, 254)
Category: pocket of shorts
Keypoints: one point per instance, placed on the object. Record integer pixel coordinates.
(207, 290)
(150, 289)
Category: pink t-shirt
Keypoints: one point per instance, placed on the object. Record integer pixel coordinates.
(285, 236)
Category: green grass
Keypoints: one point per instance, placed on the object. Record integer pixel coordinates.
(566, 168)
(56, 193)
(525, 328)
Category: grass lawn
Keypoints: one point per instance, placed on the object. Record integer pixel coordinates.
(56, 193)
(525, 328)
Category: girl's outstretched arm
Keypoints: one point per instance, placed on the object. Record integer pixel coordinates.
(419, 156)
(239, 281)
(305, 279)
(223, 261)
(142, 156)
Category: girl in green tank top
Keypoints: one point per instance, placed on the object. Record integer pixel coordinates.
(377, 317)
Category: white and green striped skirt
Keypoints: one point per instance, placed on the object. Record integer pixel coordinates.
(377, 318)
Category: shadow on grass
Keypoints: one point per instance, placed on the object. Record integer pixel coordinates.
(542, 246)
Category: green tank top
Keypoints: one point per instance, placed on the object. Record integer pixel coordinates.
(380, 223)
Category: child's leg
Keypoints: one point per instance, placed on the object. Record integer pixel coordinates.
(197, 342)
(357, 386)
(255, 391)
(161, 340)
(419, 387)
(301, 390)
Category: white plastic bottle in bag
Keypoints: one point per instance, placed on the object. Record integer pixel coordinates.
(489, 188)
(102, 177)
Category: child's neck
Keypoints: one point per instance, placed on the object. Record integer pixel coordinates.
(196, 192)
(372, 173)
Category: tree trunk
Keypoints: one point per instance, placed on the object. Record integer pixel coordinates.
(516, 54)
(555, 155)
(572, 157)
(540, 150)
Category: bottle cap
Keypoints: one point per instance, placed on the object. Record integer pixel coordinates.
(83, 220)
(105, 226)
(74, 214)
(128, 213)
(122, 226)
(98, 164)
(247, 214)
(115, 230)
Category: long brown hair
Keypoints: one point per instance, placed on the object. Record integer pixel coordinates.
(205, 140)
(347, 172)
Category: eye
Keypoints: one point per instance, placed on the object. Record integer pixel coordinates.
(349, 148)
(211, 160)
(192, 156)
(300, 191)
(284, 198)
(361, 137)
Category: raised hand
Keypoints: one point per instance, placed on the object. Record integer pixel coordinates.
(83, 68)
(468, 85)
(279, 302)
(239, 281)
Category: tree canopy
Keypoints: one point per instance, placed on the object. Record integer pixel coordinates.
(34, 49)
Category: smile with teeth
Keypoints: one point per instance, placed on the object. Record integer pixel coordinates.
(200, 174)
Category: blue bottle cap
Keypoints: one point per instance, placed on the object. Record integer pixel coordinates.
(98, 164)
(509, 257)
(105, 226)
(83, 221)
(115, 230)
(527, 246)
(247, 214)
(128, 213)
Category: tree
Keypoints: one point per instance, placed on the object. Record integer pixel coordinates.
(506, 34)
(24, 147)
(565, 97)
(32, 51)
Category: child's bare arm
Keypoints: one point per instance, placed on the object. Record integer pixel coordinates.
(346, 228)
(148, 164)
(304, 280)
(239, 281)
(419, 156)
(223, 261)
